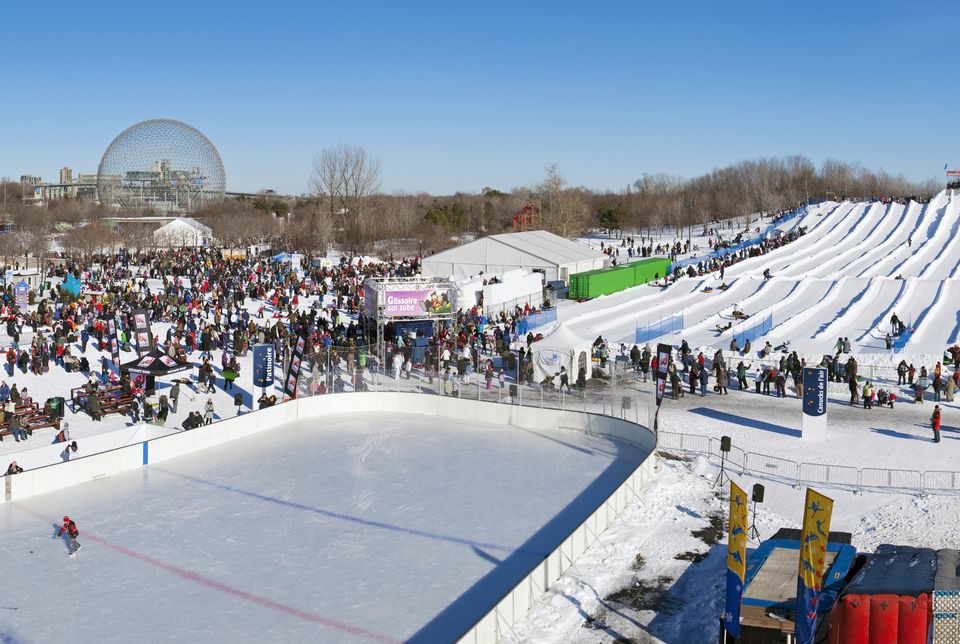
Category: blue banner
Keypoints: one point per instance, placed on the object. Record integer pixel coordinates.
(263, 357)
(814, 391)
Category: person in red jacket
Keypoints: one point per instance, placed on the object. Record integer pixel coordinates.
(935, 422)
(71, 529)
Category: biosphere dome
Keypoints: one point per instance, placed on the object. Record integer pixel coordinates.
(161, 164)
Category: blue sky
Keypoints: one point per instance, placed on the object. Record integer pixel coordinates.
(457, 96)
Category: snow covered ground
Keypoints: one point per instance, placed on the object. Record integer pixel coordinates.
(347, 529)
(658, 575)
(838, 280)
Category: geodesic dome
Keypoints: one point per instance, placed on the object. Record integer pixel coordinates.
(162, 164)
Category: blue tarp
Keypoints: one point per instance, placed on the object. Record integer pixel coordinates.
(901, 340)
(897, 570)
(282, 257)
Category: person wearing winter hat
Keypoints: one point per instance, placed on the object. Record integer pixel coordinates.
(71, 529)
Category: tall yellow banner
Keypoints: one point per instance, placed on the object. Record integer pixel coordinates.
(736, 558)
(813, 552)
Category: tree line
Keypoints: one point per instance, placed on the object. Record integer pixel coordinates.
(345, 207)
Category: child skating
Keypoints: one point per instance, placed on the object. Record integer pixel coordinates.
(71, 529)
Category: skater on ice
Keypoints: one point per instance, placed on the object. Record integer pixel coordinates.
(71, 529)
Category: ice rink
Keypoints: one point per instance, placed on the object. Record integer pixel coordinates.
(359, 528)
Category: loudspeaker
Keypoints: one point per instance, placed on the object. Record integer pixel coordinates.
(513, 391)
(626, 403)
(757, 493)
(238, 399)
(724, 443)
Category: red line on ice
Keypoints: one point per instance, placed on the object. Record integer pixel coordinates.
(196, 577)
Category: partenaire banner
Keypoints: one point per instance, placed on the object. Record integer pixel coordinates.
(416, 303)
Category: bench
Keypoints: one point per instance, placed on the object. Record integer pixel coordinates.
(31, 423)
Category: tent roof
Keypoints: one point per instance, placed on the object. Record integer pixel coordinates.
(550, 248)
(561, 340)
(189, 221)
(156, 363)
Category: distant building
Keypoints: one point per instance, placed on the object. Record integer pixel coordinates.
(37, 192)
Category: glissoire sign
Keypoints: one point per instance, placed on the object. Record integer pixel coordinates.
(420, 302)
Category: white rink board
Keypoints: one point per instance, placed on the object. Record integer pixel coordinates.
(361, 527)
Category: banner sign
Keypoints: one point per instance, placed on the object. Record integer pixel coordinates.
(21, 294)
(293, 372)
(814, 391)
(736, 559)
(814, 420)
(263, 358)
(113, 332)
(663, 363)
(142, 335)
(813, 550)
(408, 303)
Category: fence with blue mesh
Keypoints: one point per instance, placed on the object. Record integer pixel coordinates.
(654, 330)
(752, 328)
(536, 320)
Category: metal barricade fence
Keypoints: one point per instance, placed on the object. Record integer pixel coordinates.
(941, 481)
(884, 478)
(771, 465)
(684, 442)
(833, 474)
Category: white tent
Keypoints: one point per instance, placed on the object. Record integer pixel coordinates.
(534, 250)
(562, 348)
(183, 231)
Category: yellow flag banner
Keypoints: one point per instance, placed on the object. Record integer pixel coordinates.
(817, 511)
(736, 558)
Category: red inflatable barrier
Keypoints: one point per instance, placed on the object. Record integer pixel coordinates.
(884, 616)
(850, 620)
(880, 619)
(916, 617)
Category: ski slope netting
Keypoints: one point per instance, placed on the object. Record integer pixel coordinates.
(359, 528)
(857, 266)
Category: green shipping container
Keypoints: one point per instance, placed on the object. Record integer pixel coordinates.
(604, 281)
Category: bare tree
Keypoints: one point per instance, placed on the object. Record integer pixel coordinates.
(564, 210)
(347, 179)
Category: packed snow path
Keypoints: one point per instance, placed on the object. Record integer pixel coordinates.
(857, 265)
(359, 528)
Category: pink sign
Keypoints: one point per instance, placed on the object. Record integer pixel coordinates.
(416, 303)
